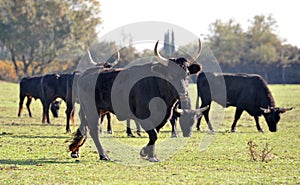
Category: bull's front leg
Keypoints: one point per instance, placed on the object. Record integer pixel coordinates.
(257, 124)
(149, 150)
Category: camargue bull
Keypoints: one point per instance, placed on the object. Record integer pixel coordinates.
(149, 101)
(40, 87)
(246, 92)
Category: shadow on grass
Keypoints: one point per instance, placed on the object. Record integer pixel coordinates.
(13, 123)
(36, 162)
(40, 137)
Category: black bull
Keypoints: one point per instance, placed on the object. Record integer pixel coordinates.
(102, 91)
(246, 92)
(46, 88)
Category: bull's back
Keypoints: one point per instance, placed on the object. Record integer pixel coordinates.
(241, 89)
(31, 86)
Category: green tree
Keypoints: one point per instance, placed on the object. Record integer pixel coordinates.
(287, 55)
(262, 42)
(38, 33)
(227, 41)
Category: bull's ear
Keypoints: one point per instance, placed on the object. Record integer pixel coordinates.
(283, 110)
(194, 68)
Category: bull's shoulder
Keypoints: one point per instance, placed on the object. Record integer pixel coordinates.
(31, 79)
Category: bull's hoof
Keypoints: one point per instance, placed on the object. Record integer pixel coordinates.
(153, 159)
(233, 130)
(198, 129)
(143, 152)
(174, 135)
(104, 158)
(139, 133)
(110, 132)
(261, 130)
(75, 154)
(68, 131)
(130, 135)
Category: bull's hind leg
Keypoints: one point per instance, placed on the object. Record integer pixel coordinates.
(257, 124)
(109, 129)
(70, 116)
(94, 124)
(238, 113)
(149, 150)
(29, 99)
(79, 137)
(21, 105)
(206, 116)
(46, 106)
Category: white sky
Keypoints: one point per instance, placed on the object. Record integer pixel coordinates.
(196, 15)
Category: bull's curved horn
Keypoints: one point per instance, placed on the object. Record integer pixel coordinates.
(117, 60)
(160, 58)
(91, 59)
(194, 58)
(283, 110)
(266, 111)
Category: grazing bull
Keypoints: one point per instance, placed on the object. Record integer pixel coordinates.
(53, 86)
(246, 92)
(37, 87)
(151, 119)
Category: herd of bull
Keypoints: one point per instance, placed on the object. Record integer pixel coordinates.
(96, 91)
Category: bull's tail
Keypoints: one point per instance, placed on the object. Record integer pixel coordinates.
(77, 142)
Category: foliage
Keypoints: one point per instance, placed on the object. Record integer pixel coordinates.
(36, 33)
(227, 41)
(32, 153)
(256, 50)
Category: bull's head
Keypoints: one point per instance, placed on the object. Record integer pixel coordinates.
(55, 106)
(188, 65)
(272, 116)
(188, 116)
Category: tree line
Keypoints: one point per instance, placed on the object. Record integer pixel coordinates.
(255, 50)
(38, 37)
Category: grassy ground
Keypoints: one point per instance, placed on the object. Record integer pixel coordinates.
(34, 154)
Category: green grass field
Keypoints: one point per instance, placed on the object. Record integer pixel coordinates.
(32, 153)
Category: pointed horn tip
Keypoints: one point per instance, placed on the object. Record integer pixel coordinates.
(90, 56)
(288, 109)
(160, 58)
